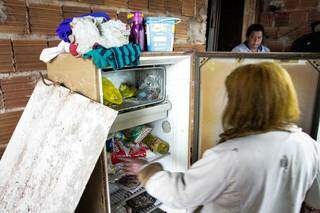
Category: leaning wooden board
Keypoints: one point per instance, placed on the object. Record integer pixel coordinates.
(53, 151)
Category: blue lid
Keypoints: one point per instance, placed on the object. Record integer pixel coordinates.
(160, 19)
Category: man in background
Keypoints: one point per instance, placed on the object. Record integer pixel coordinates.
(254, 37)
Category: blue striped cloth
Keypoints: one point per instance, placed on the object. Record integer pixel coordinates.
(116, 57)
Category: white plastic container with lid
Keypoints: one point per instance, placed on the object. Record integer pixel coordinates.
(160, 33)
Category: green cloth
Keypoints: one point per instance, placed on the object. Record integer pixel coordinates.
(116, 57)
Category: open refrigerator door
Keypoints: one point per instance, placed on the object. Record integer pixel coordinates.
(212, 68)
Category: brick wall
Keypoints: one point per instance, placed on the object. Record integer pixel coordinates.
(28, 26)
(288, 23)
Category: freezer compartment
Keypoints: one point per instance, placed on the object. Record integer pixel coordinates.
(139, 87)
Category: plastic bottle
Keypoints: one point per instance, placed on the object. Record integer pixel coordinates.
(155, 144)
(137, 33)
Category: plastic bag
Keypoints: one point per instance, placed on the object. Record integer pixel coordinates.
(85, 32)
(114, 33)
(111, 94)
(150, 88)
(131, 151)
(138, 133)
(127, 91)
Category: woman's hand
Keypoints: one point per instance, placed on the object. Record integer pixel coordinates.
(133, 166)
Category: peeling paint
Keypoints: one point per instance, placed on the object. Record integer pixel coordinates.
(3, 14)
(197, 26)
(197, 32)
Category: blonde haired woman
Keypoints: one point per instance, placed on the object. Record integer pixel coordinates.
(263, 163)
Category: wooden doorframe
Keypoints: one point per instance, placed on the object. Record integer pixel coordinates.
(213, 24)
(251, 12)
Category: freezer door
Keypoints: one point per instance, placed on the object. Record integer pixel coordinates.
(210, 94)
(53, 151)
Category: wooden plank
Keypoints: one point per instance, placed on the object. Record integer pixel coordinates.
(53, 151)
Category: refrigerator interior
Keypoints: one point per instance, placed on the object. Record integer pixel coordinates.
(214, 70)
(172, 128)
(147, 82)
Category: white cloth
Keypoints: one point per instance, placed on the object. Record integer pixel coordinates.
(265, 173)
(48, 54)
(88, 31)
(85, 32)
(114, 34)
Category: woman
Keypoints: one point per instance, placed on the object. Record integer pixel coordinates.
(263, 163)
(254, 36)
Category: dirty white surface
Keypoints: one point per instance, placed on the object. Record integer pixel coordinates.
(53, 151)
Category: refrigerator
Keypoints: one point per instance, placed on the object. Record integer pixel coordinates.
(186, 112)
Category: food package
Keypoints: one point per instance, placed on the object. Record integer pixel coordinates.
(120, 151)
(156, 144)
(150, 88)
(111, 94)
(127, 91)
(113, 168)
(138, 133)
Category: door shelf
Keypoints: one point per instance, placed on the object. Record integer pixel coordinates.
(138, 117)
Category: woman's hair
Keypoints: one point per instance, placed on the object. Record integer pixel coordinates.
(261, 98)
(254, 27)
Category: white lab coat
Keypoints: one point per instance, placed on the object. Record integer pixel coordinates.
(266, 173)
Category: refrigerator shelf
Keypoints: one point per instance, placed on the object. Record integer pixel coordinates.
(150, 209)
(120, 196)
(138, 117)
(112, 178)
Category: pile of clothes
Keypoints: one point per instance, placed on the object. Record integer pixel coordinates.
(95, 36)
